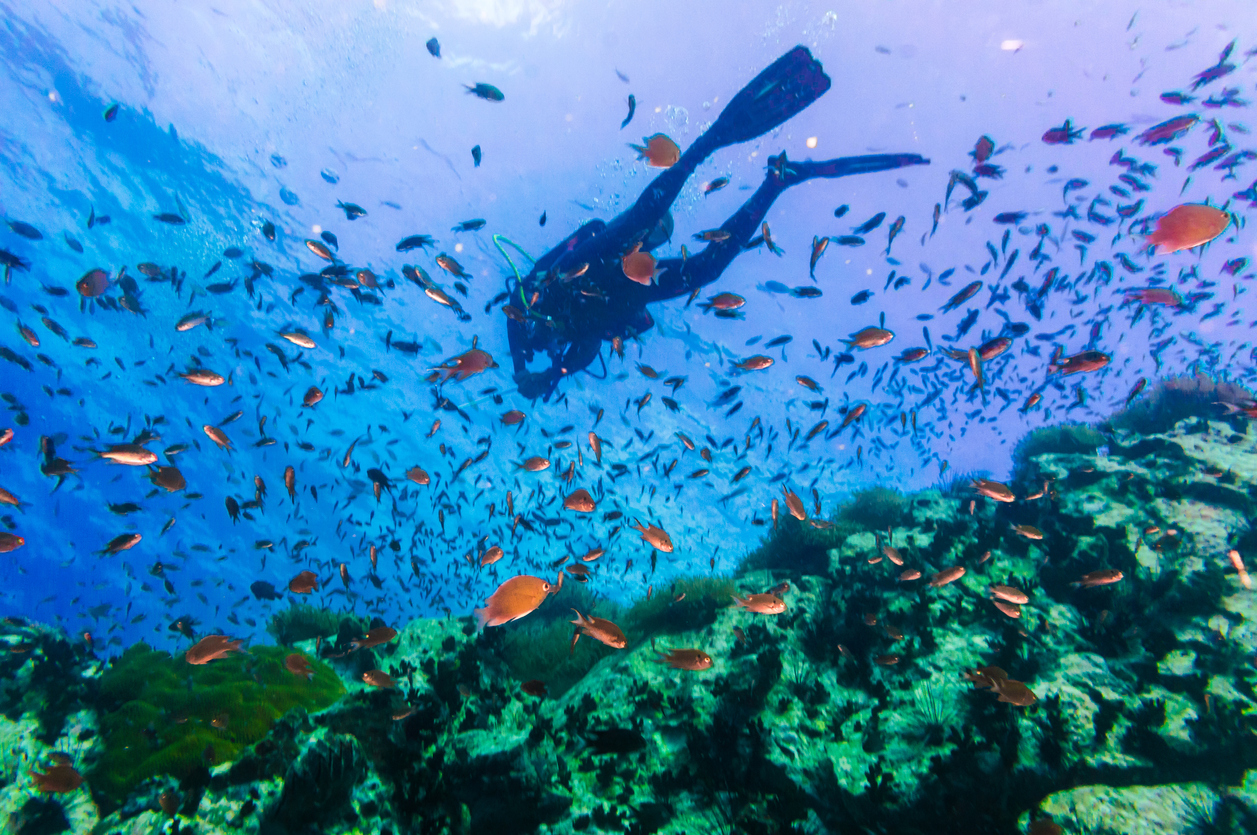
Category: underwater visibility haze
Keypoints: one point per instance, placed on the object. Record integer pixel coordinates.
(510, 416)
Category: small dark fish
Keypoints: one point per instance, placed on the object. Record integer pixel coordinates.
(542, 222)
(862, 296)
(780, 340)
(1109, 132)
(72, 243)
(25, 230)
(470, 225)
(268, 231)
(849, 240)
(434, 47)
(329, 176)
(352, 210)
(1010, 217)
(111, 112)
(632, 103)
(806, 292)
(841, 210)
(263, 590)
(171, 218)
(414, 242)
(475, 155)
(715, 185)
(331, 239)
(870, 224)
(485, 91)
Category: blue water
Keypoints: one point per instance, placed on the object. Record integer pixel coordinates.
(243, 113)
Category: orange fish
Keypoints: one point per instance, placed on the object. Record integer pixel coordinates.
(492, 555)
(380, 679)
(1008, 593)
(93, 283)
(993, 490)
(203, 377)
(373, 638)
(418, 475)
(1187, 226)
(304, 583)
(1013, 610)
(762, 604)
(694, 660)
(892, 554)
(656, 536)
(870, 337)
(515, 598)
(6, 436)
(756, 363)
(1104, 577)
(535, 464)
(211, 648)
(218, 436)
(513, 417)
(312, 397)
(593, 554)
(465, 365)
(579, 501)
(910, 574)
(638, 266)
(659, 151)
(794, 504)
(10, 542)
(595, 443)
(1028, 531)
(59, 779)
(299, 666)
(947, 575)
(1238, 564)
(887, 660)
(534, 687)
(599, 629)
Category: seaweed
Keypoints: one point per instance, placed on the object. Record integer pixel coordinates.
(1179, 398)
(301, 622)
(874, 509)
(1064, 438)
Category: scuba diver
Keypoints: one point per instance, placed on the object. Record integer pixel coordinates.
(580, 293)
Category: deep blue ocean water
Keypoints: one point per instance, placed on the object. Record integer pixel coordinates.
(235, 115)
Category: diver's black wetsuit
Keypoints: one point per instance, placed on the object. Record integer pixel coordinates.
(568, 316)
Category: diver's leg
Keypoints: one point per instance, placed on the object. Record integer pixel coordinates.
(679, 278)
(785, 88)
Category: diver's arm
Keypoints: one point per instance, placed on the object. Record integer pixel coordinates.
(576, 357)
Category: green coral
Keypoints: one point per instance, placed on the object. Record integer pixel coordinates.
(162, 715)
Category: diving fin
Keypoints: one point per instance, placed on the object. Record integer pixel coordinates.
(785, 88)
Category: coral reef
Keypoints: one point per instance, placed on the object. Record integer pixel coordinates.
(849, 712)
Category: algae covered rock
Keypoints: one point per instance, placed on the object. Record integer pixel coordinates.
(161, 715)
